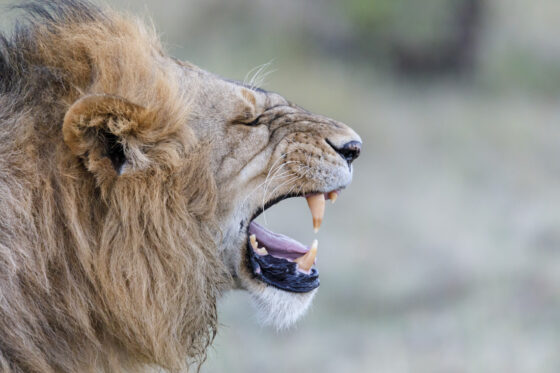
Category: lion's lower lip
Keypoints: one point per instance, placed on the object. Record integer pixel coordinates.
(273, 259)
(281, 273)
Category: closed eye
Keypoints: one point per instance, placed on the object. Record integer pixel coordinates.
(255, 122)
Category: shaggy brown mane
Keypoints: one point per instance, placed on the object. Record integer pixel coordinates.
(99, 273)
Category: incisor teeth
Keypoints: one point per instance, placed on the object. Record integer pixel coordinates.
(316, 204)
(305, 262)
(333, 196)
(253, 240)
(262, 251)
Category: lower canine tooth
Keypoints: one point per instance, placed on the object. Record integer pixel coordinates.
(253, 240)
(262, 251)
(316, 204)
(305, 262)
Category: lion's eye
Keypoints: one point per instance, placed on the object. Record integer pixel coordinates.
(254, 122)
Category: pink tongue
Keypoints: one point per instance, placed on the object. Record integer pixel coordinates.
(277, 244)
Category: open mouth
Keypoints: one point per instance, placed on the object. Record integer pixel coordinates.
(281, 261)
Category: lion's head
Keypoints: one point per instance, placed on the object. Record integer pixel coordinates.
(129, 186)
(266, 149)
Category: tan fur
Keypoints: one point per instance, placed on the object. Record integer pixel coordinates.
(99, 272)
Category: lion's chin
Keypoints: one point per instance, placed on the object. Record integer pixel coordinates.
(278, 308)
(274, 307)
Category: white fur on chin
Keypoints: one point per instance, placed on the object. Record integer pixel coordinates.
(279, 308)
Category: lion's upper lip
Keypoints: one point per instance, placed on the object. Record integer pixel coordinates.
(316, 214)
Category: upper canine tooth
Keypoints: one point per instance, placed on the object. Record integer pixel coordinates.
(316, 204)
(305, 262)
(333, 196)
(253, 240)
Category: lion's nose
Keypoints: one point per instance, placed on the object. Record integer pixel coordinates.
(349, 151)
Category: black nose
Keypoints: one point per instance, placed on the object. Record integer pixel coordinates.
(349, 151)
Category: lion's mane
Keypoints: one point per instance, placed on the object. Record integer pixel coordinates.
(99, 273)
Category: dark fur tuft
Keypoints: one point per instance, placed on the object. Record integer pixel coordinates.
(19, 68)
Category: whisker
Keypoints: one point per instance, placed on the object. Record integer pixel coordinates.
(258, 74)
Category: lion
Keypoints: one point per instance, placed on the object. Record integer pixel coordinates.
(129, 186)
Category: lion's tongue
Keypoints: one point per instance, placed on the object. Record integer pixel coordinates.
(277, 244)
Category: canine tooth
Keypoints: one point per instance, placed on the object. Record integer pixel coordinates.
(333, 196)
(316, 204)
(254, 242)
(262, 251)
(305, 262)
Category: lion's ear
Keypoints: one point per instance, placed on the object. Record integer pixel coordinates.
(99, 128)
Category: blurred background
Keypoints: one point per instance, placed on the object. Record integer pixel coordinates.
(444, 253)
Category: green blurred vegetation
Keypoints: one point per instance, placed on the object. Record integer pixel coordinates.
(415, 21)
